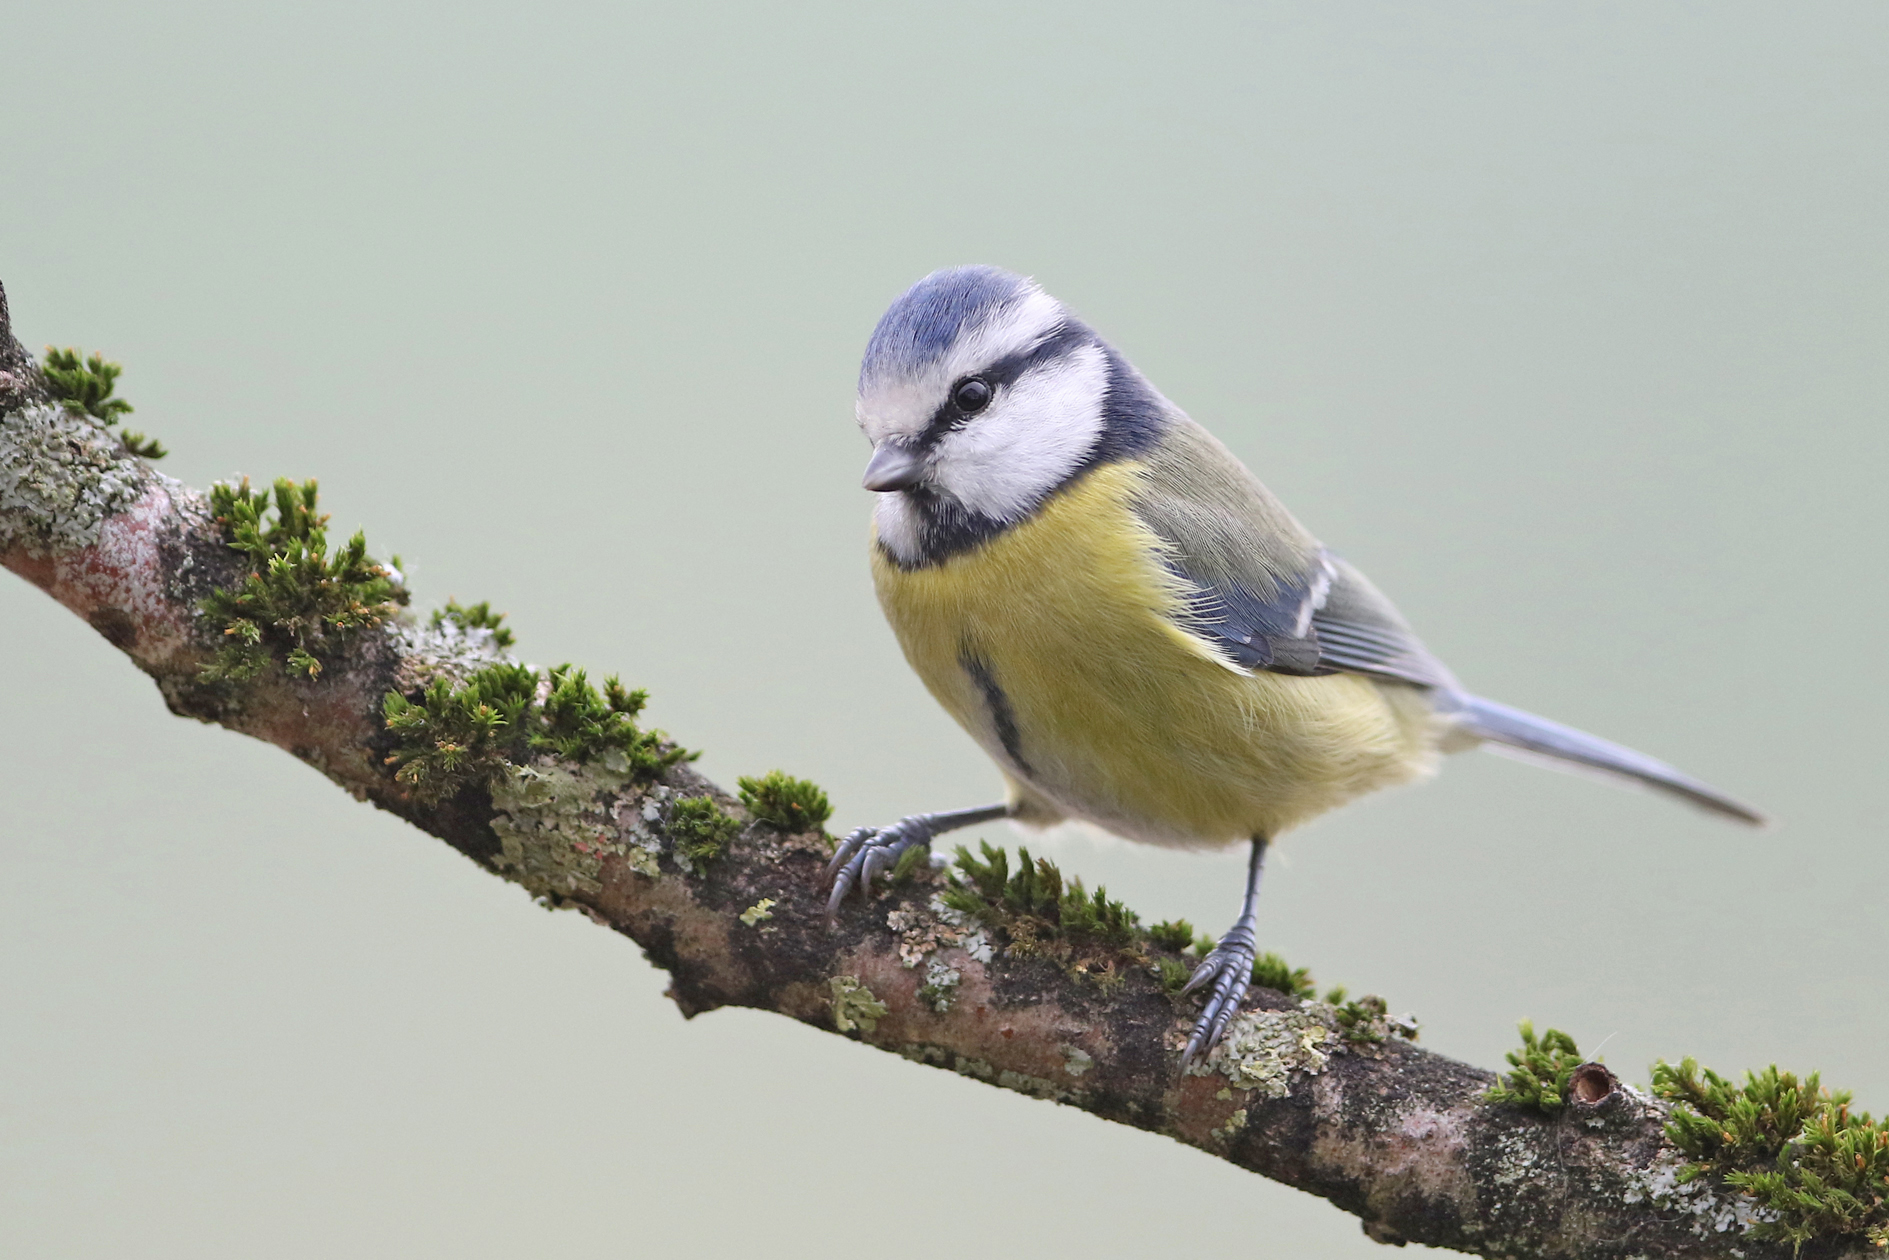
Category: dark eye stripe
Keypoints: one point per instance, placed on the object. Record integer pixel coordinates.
(949, 416)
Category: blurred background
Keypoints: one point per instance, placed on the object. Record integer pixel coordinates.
(1566, 322)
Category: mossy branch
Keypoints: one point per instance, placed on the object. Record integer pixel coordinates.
(85, 386)
(1009, 973)
(1543, 1067)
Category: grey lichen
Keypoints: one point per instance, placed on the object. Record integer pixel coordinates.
(1667, 1184)
(442, 649)
(61, 478)
(923, 931)
(553, 826)
(854, 1006)
(1076, 1060)
(984, 1070)
(941, 985)
(638, 820)
(1263, 1049)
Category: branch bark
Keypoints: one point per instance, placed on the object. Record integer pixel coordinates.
(1396, 1135)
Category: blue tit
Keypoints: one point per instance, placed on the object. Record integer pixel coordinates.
(1131, 626)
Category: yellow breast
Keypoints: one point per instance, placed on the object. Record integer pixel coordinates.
(1056, 646)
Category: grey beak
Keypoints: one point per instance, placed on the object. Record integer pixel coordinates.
(892, 467)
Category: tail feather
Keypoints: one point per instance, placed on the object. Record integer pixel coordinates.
(1520, 734)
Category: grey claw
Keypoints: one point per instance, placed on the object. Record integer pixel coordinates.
(1230, 970)
(847, 847)
(874, 862)
(840, 887)
(867, 853)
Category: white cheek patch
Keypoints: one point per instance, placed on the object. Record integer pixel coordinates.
(903, 408)
(1037, 431)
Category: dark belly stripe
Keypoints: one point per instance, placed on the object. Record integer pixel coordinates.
(1002, 716)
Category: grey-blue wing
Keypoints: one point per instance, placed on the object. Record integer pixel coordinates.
(1325, 618)
(1359, 630)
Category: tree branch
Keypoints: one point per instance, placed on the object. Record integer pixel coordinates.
(1401, 1137)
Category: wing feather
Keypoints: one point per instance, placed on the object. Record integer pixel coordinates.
(1261, 589)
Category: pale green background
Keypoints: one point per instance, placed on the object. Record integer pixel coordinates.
(1567, 322)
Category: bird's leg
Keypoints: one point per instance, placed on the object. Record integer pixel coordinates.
(1228, 970)
(869, 850)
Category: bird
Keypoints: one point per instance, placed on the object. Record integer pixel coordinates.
(1128, 622)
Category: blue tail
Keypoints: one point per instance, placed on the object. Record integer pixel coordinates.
(1532, 738)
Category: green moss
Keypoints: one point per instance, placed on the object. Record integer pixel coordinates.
(1174, 934)
(1270, 971)
(453, 737)
(1041, 912)
(1367, 1020)
(1096, 917)
(86, 387)
(1173, 972)
(910, 863)
(784, 802)
(478, 617)
(143, 446)
(1542, 1068)
(700, 829)
(298, 604)
(579, 722)
(1034, 905)
(1791, 1145)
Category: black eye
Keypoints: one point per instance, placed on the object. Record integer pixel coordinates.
(971, 396)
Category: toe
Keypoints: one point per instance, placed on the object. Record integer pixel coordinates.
(843, 854)
(1202, 974)
(873, 861)
(1228, 973)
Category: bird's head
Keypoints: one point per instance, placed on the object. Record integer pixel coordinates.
(982, 395)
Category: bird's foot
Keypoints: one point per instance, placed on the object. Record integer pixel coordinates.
(869, 850)
(1226, 974)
